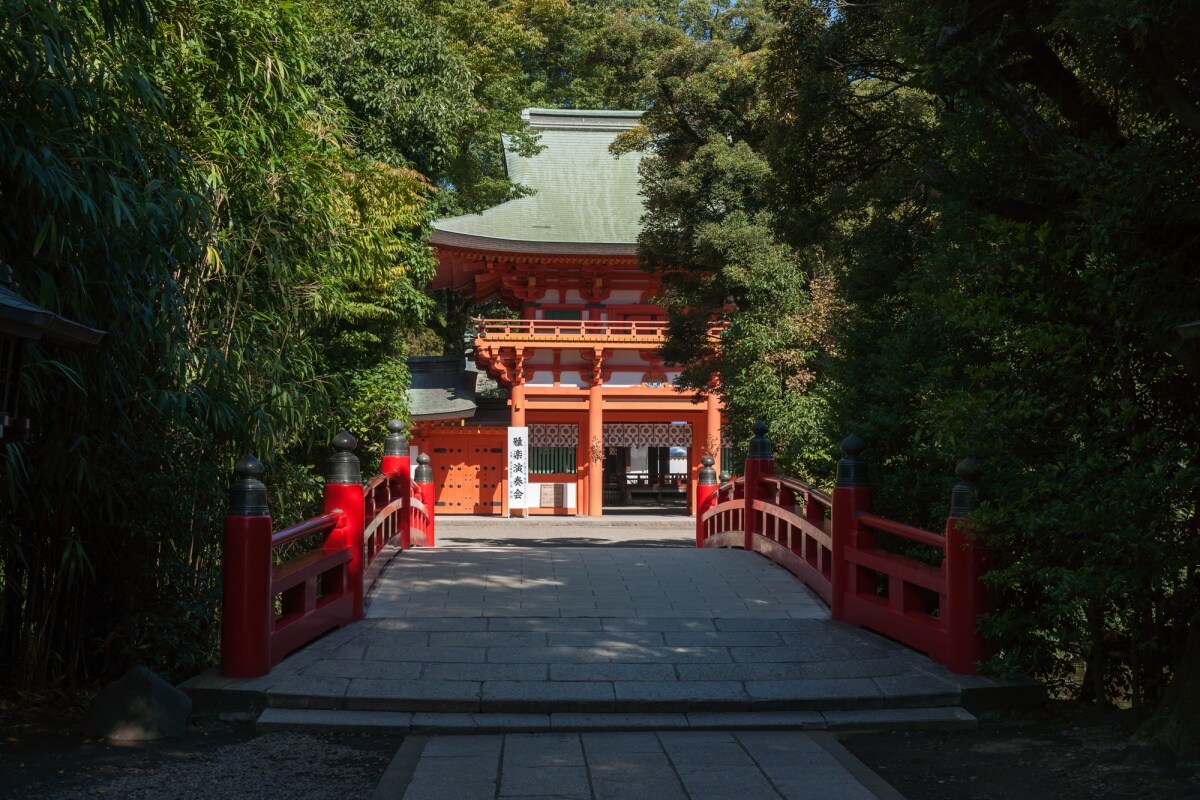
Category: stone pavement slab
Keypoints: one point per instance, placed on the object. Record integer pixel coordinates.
(673, 529)
(664, 765)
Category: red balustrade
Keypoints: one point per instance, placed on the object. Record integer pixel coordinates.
(528, 329)
(270, 609)
(830, 543)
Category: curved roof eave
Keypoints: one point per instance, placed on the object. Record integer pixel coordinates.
(489, 243)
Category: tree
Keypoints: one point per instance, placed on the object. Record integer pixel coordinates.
(999, 198)
(175, 180)
(1020, 193)
(713, 233)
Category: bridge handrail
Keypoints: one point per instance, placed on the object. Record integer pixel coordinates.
(909, 532)
(382, 516)
(808, 490)
(828, 541)
(323, 589)
(324, 522)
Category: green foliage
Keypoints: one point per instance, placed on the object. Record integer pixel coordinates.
(188, 188)
(951, 230)
(993, 211)
(712, 232)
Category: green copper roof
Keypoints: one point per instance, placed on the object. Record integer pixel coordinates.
(584, 199)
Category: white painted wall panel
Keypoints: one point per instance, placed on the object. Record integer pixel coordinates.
(625, 378)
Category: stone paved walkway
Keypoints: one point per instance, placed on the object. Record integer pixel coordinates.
(609, 660)
(626, 529)
(621, 766)
(542, 631)
(614, 581)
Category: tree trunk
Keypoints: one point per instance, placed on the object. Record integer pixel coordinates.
(1178, 718)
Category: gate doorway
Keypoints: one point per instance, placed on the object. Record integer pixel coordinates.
(469, 472)
(654, 476)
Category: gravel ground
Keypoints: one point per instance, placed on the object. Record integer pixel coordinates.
(213, 762)
(1063, 752)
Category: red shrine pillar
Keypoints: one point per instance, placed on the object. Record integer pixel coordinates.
(695, 452)
(595, 446)
(518, 405)
(518, 391)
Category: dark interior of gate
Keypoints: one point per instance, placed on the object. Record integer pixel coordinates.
(646, 465)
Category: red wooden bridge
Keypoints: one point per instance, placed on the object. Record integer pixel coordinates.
(830, 543)
(273, 607)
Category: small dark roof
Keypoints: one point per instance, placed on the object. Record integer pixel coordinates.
(493, 411)
(29, 321)
(21, 318)
(441, 388)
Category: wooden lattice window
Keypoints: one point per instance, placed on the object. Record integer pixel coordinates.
(551, 460)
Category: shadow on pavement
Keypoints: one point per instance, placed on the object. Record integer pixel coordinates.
(565, 541)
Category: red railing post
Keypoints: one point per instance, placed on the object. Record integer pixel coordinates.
(344, 495)
(397, 465)
(246, 609)
(706, 496)
(851, 497)
(423, 478)
(759, 464)
(966, 562)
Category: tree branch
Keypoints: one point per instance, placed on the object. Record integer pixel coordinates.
(938, 177)
(1045, 71)
(1177, 99)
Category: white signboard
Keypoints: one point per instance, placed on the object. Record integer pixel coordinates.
(518, 469)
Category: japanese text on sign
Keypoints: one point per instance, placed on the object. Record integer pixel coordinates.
(518, 468)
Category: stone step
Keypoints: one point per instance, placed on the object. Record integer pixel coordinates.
(403, 722)
(606, 697)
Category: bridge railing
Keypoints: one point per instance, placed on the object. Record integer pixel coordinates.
(272, 606)
(830, 542)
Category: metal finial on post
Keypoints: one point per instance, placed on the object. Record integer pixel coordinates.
(708, 475)
(852, 470)
(964, 497)
(424, 472)
(247, 493)
(343, 466)
(725, 476)
(760, 445)
(396, 443)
